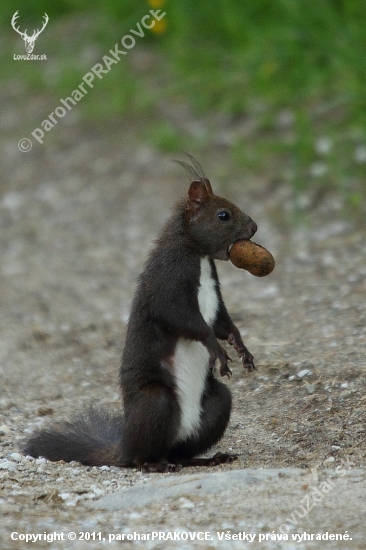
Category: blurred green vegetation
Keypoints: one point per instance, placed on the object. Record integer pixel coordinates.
(297, 68)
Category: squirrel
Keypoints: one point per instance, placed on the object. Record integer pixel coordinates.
(174, 406)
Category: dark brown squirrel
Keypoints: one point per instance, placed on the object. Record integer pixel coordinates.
(174, 406)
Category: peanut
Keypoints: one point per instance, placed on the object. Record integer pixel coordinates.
(251, 256)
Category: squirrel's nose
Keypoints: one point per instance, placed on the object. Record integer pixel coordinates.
(253, 227)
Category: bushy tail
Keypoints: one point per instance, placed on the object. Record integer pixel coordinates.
(92, 438)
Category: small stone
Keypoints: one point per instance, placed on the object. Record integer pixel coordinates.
(344, 385)
(227, 526)
(98, 492)
(304, 372)
(64, 496)
(5, 429)
(329, 460)
(17, 457)
(310, 388)
(185, 503)
(292, 378)
(8, 465)
(41, 461)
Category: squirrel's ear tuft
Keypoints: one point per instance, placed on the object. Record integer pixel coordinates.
(207, 185)
(200, 188)
(194, 169)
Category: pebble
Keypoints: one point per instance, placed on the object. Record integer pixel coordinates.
(304, 372)
(64, 496)
(8, 465)
(135, 515)
(17, 457)
(5, 429)
(185, 503)
(227, 526)
(97, 492)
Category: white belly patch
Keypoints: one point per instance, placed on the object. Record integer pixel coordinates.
(191, 359)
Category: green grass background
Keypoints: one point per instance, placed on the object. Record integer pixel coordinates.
(295, 67)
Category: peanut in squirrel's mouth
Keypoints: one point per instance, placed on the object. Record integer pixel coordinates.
(232, 244)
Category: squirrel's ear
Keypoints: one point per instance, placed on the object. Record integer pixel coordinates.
(197, 194)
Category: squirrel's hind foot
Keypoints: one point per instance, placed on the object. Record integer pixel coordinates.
(160, 467)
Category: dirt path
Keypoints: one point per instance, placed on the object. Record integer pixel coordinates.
(77, 220)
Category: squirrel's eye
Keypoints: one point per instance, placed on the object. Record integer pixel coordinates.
(224, 216)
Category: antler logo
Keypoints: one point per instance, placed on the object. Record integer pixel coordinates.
(29, 40)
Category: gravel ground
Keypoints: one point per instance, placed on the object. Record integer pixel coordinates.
(78, 216)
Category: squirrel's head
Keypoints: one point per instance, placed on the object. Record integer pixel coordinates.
(213, 222)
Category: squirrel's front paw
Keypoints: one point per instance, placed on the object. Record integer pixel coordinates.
(248, 361)
(224, 369)
(243, 353)
(223, 358)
